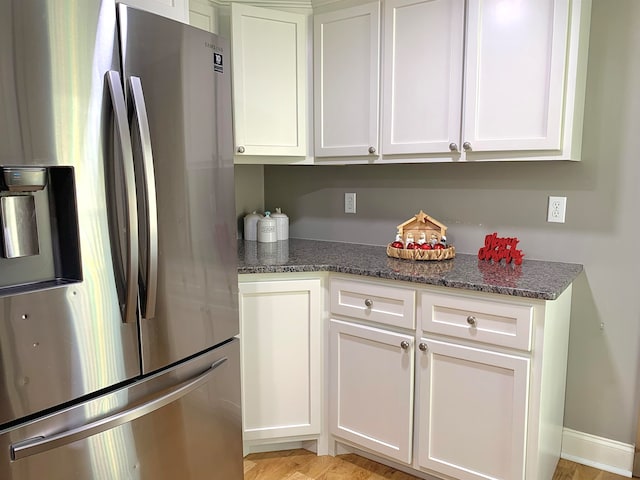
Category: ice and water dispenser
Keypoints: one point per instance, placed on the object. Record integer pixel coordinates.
(39, 244)
(18, 210)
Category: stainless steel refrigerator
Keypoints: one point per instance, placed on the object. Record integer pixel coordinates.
(118, 283)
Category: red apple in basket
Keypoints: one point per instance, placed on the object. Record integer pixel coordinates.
(425, 246)
(397, 244)
(413, 246)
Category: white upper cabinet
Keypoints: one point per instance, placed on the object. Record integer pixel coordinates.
(346, 81)
(470, 80)
(269, 49)
(515, 74)
(423, 48)
(174, 9)
(204, 15)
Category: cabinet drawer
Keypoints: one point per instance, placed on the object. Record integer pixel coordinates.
(376, 303)
(488, 321)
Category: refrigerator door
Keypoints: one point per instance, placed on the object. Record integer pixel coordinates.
(177, 82)
(60, 340)
(184, 423)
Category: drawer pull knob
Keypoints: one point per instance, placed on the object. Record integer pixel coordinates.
(368, 303)
(404, 344)
(471, 320)
(423, 347)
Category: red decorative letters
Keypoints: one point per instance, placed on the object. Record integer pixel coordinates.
(496, 249)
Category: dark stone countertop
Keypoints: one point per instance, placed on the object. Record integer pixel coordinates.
(533, 279)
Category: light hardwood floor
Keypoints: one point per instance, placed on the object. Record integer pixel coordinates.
(305, 465)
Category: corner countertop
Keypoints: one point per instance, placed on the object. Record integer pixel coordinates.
(533, 279)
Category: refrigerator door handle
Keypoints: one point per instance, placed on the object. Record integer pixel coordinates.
(124, 140)
(36, 445)
(141, 122)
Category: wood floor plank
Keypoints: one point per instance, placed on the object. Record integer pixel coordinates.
(567, 470)
(380, 471)
(304, 465)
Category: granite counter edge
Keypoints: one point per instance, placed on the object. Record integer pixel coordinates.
(551, 294)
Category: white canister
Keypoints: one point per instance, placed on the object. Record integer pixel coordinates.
(267, 228)
(251, 226)
(282, 225)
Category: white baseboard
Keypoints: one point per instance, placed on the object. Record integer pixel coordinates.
(270, 447)
(601, 453)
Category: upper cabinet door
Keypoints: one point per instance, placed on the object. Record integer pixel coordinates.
(346, 81)
(204, 15)
(269, 81)
(422, 87)
(174, 9)
(514, 79)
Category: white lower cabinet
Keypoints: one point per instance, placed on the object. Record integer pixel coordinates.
(444, 382)
(472, 411)
(371, 385)
(281, 339)
(478, 383)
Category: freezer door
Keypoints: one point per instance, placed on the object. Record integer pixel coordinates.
(62, 338)
(179, 96)
(182, 424)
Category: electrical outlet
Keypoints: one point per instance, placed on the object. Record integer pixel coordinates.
(349, 203)
(557, 209)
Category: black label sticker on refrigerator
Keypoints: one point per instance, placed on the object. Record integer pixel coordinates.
(217, 62)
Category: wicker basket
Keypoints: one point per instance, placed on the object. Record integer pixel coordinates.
(435, 254)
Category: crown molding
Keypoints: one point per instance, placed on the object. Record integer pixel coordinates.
(288, 4)
(322, 3)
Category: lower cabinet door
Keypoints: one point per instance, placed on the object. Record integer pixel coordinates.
(280, 331)
(472, 411)
(371, 385)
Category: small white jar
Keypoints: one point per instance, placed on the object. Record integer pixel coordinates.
(282, 225)
(251, 226)
(267, 229)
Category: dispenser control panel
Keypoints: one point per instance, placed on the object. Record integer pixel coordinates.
(24, 179)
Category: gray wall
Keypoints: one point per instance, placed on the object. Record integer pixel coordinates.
(601, 231)
(249, 185)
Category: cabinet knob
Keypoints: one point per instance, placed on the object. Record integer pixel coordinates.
(372, 149)
(404, 344)
(240, 149)
(368, 303)
(423, 347)
(467, 146)
(471, 320)
(453, 147)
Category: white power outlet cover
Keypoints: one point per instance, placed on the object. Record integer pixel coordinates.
(349, 203)
(557, 209)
